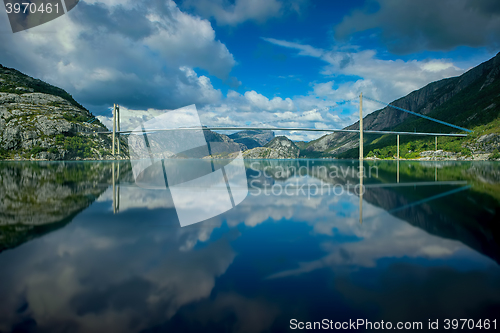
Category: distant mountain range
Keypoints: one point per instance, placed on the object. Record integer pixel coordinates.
(41, 121)
(252, 139)
(280, 147)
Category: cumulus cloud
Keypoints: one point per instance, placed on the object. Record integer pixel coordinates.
(263, 103)
(254, 109)
(348, 71)
(142, 54)
(235, 12)
(382, 79)
(409, 26)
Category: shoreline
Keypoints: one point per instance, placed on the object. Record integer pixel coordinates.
(118, 158)
(431, 155)
(423, 159)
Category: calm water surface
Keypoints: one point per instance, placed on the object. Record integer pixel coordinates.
(78, 254)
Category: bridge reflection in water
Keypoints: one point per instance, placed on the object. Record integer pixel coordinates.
(464, 185)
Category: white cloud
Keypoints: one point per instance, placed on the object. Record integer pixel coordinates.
(385, 80)
(254, 109)
(388, 79)
(140, 54)
(262, 102)
(436, 66)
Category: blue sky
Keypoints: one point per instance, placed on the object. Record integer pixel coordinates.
(252, 61)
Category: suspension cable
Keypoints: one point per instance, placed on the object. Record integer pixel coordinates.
(419, 115)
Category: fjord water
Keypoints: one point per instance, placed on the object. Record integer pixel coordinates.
(83, 253)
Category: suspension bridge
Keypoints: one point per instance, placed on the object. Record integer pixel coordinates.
(116, 126)
(117, 131)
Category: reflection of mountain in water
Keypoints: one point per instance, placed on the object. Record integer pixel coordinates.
(475, 223)
(36, 198)
(472, 224)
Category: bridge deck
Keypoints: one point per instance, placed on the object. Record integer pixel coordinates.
(286, 129)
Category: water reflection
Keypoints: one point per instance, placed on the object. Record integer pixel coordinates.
(38, 197)
(424, 250)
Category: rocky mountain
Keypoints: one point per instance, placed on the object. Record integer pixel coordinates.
(214, 137)
(278, 148)
(469, 100)
(252, 139)
(40, 121)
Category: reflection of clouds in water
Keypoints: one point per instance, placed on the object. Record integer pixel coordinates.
(251, 314)
(258, 209)
(318, 211)
(132, 197)
(144, 278)
(113, 280)
(380, 236)
(383, 235)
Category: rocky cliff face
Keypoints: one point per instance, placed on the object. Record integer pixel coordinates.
(278, 148)
(424, 101)
(252, 139)
(40, 121)
(214, 137)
